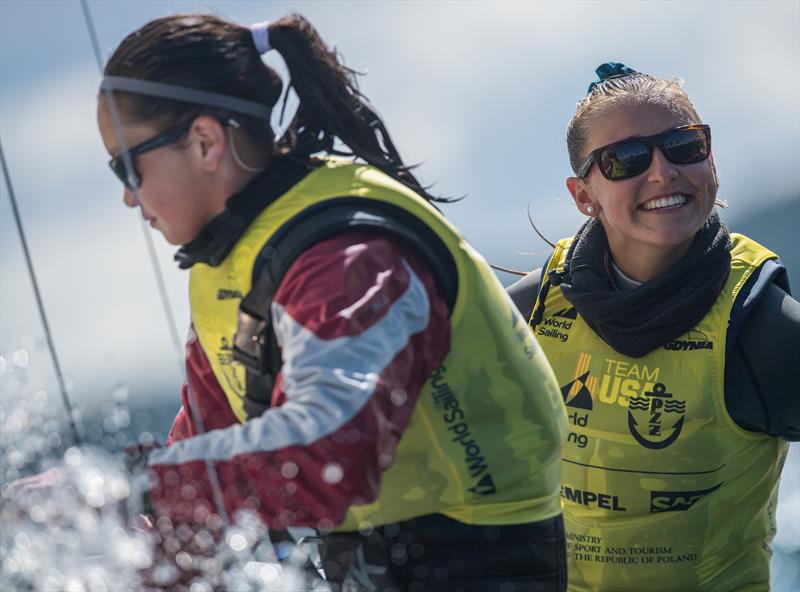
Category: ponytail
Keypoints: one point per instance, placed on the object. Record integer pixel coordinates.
(331, 106)
(206, 53)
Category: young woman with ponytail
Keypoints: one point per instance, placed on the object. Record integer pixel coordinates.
(353, 364)
(675, 344)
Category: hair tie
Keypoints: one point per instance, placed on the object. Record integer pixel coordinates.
(610, 70)
(260, 32)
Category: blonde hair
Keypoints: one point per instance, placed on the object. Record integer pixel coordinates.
(626, 90)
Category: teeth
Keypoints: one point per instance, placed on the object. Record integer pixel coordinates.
(665, 202)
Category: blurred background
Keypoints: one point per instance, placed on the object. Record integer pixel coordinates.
(478, 93)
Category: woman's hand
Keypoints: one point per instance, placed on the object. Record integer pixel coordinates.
(44, 481)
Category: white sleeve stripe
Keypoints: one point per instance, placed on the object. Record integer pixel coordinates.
(327, 382)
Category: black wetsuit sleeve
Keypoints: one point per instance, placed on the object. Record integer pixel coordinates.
(762, 373)
(524, 291)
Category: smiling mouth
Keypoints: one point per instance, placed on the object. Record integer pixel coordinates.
(669, 202)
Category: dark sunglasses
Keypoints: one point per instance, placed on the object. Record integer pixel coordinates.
(625, 159)
(168, 136)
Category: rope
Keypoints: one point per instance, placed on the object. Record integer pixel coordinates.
(177, 346)
(39, 303)
(195, 410)
(541, 236)
(508, 269)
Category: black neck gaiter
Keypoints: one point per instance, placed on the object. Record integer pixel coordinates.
(220, 235)
(637, 321)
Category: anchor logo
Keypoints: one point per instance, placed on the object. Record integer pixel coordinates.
(658, 403)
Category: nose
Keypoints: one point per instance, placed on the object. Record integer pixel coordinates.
(661, 169)
(129, 198)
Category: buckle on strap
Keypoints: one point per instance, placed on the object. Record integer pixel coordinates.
(251, 342)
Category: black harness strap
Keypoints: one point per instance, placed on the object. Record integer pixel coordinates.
(255, 345)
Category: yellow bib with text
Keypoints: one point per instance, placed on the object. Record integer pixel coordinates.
(661, 490)
(484, 441)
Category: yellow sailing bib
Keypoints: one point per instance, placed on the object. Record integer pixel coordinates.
(661, 490)
(484, 441)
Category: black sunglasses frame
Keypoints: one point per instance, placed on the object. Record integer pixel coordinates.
(596, 156)
(131, 179)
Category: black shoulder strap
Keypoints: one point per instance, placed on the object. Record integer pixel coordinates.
(255, 345)
(772, 271)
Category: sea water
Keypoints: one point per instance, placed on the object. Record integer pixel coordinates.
(87, 532)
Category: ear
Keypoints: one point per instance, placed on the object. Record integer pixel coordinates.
(714, 170)
(579, 191)
(208, 141)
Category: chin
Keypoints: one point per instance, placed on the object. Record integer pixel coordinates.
(677, 233)
(173, 240)
(179, 239)
(676, 238)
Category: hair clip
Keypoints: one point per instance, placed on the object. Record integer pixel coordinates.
(260, 32)
(610, 70)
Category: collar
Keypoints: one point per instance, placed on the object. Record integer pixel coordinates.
(621, 282)
(219, 236)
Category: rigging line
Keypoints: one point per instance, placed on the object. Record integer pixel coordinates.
(213, 475)
(39, 303)
(536, 230)
(177, 346)
(508, 269)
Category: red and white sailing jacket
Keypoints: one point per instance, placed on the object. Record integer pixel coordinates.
(361, 326)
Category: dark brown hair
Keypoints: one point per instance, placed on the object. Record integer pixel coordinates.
(208, 53)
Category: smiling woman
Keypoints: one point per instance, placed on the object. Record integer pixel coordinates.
(674, 344)
(650, 218)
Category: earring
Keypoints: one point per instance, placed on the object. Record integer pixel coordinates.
(590, 210)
